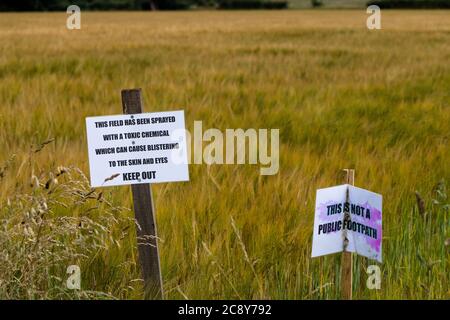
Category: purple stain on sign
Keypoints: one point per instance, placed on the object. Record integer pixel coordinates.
(329, 217)
(373, 222)
(322, 208)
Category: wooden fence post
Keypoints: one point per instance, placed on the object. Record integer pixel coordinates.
(347, 261)
(147, 240)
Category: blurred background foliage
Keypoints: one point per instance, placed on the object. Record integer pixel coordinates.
(57, 5)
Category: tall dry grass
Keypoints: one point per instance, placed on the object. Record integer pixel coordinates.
(40, 237)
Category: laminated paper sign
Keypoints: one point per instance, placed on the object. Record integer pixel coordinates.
(137, 148)
(363, 230)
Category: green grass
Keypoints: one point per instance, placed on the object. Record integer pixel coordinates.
(341, 95)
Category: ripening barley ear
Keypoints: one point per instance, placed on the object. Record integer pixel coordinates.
(41, 145)
(50, 181)
(61, 170)
(6, 165)
(420, 204)
(34, 182)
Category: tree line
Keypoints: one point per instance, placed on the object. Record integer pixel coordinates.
(407, 4)
(61, 5)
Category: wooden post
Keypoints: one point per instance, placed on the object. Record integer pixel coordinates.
(347, 263)
(147, 240)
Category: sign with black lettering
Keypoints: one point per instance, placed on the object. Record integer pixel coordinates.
(137, 148)
(361, 233)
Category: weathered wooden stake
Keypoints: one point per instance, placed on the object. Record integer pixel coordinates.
(347, 263)
(147, 240)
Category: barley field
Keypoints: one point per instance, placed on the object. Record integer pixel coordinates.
(341, 95)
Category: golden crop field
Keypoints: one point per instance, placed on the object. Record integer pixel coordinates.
(342, 96)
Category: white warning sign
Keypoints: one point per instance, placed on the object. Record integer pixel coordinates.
(137, 148)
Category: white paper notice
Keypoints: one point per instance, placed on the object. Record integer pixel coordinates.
(137, 148)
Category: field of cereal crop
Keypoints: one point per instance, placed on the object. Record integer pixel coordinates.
(341, 95)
